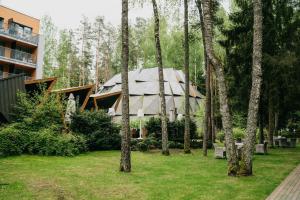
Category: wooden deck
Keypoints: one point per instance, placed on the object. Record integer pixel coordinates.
(289, 189)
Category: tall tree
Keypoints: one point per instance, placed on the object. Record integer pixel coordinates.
(49, 32)
(233, 163)
(246, 162)
(125, 163)
(187, 79)
(98, 32)
(86, 57)
(63, 59)
(164, 120)
(206, 117)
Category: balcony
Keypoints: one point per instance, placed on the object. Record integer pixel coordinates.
(9, 75)
(17, 57)
(29, 38)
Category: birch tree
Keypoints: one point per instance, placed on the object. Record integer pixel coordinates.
(247, 154)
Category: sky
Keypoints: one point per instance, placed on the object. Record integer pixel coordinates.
(68, 13)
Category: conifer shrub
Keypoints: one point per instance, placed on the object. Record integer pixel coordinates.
(99, 130)
(37, 128)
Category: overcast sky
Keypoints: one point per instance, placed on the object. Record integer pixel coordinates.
(67, 13)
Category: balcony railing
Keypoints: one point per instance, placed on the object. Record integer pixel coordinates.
(17, 56)
(19, 35)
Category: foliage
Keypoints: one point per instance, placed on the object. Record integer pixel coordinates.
(200, 116)
(101, 133)
(37, 128)
(145, 144)
(239, 120)
(175, 129)
(134, 124)
(280, 88)
(12, 140)
(238, 133)
(38, 111)
(221, 136)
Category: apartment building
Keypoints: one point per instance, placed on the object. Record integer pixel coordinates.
(21, 45)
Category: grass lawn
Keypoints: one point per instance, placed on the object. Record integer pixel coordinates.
(96, 176)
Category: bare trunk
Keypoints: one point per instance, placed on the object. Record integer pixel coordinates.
(248, 148)
(165, 148)
(187, 80)
(271, 122)
(97, 62)
(276, 116)
(212, 116)
(233, 164)
(261, 124)
(205, 132)
(125, 164)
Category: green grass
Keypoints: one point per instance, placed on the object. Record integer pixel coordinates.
(96, 176)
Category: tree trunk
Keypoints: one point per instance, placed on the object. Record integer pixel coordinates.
(212, 116)
(248, 148)
(165, 148)
(271, 122)
(206, 126)
(276, 116)
(233, 164)
(187, 79)
(125, 164)
(261, 124)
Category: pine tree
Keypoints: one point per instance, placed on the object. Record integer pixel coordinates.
(164, 120)
(125, 163)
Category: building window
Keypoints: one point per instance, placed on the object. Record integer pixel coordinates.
(20, 29)
(27, 74)
(1, 71)
(2, 48)
(1, 23)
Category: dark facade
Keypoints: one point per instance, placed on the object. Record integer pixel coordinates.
(9, 88)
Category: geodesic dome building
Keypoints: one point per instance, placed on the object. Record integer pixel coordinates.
(144, 93)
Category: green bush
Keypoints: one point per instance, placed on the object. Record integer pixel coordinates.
(143, 146)
(49, 144)
(37, 128)
(221, 136)
(15, 141)
(175, 145)
(101, 133)
(238, 133)
(196, 143)
(38, 111)
(175, 129)
(12, 141)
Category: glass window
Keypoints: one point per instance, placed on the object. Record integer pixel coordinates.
(27, 31)
(1, 70)
(1, 23)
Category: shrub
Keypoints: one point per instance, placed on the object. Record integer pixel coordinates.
(101, 133)
(134, 144)
(238, 133)
(49, 144)
(153, 126)
(175, 145)
(38, 111)
(15, 141)
(196, 143)
(221, 136)
(175, 129)
(37, 128)
(12, 141)
(142, 146)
